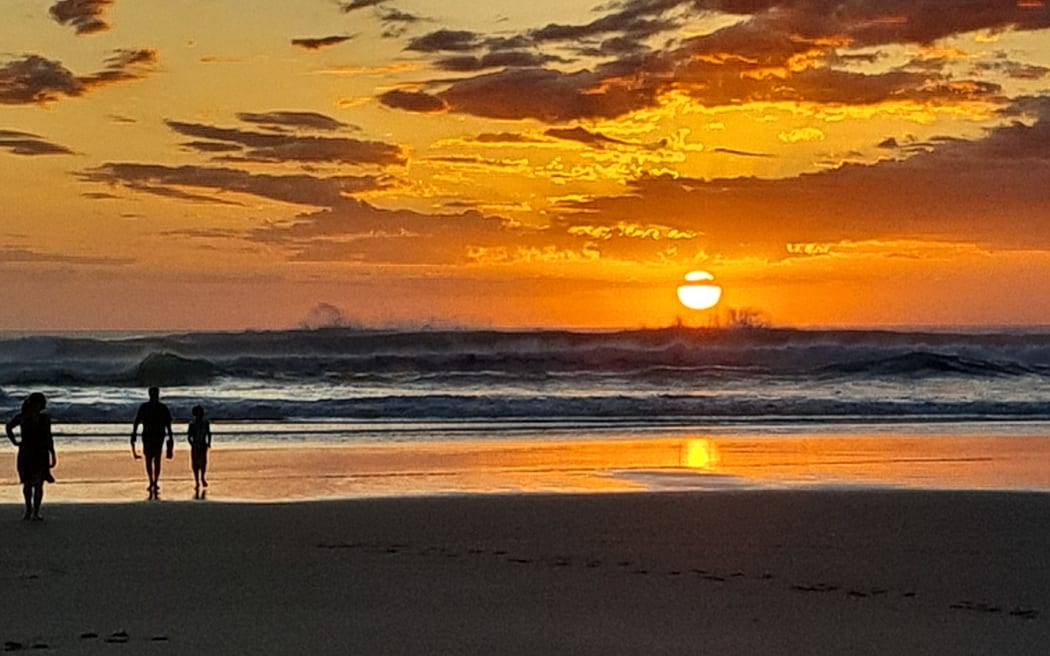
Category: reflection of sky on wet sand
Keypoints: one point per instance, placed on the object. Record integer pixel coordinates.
(266, 473)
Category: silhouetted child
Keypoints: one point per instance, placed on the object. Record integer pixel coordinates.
(199, 435)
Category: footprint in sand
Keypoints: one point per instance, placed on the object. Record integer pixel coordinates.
(118, 637)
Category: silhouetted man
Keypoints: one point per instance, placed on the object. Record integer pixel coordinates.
(156, 421)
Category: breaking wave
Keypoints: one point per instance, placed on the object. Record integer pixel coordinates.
(674, 372)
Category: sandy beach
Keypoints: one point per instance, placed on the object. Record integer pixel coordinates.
(729, 572)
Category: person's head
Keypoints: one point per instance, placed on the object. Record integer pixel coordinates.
(198, 412)
(35, 402)
(154, 393)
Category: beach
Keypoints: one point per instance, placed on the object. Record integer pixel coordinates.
(862, 571)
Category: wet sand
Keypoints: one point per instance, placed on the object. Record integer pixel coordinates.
(263, 472)
(728, 572)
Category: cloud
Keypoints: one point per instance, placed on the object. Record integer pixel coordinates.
(413, 101)
(636, 20)
(504, 137)
(318, 43)
(34, 79)
(547, 95)
(1014, 70)
(739, 153)
(356, 231)
(500, 59)
(23, 255)
(584, 136)
(84, 15)
(445, 40)
(281, 146)
(172, 181)
(989, 191)
(353, 5)
(396, 23)
(25, 143)
(286, 119)
(776, 50)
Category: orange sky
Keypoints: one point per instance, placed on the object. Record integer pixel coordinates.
(232, 164)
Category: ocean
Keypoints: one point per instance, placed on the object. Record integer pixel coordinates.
(343, 412)
(346, 384)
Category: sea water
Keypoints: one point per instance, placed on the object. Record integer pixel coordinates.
(396, 389)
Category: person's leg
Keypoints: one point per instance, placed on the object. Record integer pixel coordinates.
(38, 497)
(153, 468)
(27, 492)
(204, 468)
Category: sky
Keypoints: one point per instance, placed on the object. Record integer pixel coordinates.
(234, 164)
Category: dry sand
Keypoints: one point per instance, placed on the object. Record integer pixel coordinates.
(745, 572)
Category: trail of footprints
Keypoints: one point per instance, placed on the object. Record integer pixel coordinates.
(636, 568)
(119, 637)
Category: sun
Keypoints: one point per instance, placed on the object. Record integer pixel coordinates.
(699, 291)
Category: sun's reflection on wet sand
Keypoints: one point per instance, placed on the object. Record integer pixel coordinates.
(268, 473)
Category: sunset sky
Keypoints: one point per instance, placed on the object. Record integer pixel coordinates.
(228, 164)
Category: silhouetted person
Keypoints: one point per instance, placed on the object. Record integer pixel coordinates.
(36, 451)
(156, 422)
(199, 435)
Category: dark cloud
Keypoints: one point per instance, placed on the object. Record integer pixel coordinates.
(739, 153)
(84, 15)
(353, 5)
(637, 20)
(475, 161)
(24, 255)
(778, 50)
(396, 22)
(544, 94)
(287, 119)
(413, 101)
(392, 15)
(212, 147)
(318, 43)
(25, 143)
(124, 65)
(280, 147)
(499, 59)
(1012, 69)
(172, 181)
(446, 40)
(35, 79)
(585, 136)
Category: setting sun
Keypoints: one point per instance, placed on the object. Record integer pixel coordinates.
(700, 292)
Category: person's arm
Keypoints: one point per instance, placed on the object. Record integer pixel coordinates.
(10, 427)
(207, 434)
(50, 441)
(134, 435)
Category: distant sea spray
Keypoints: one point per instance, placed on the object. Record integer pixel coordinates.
(684, 374)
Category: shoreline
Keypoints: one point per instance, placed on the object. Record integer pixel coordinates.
(736, 572)
(272, 472)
